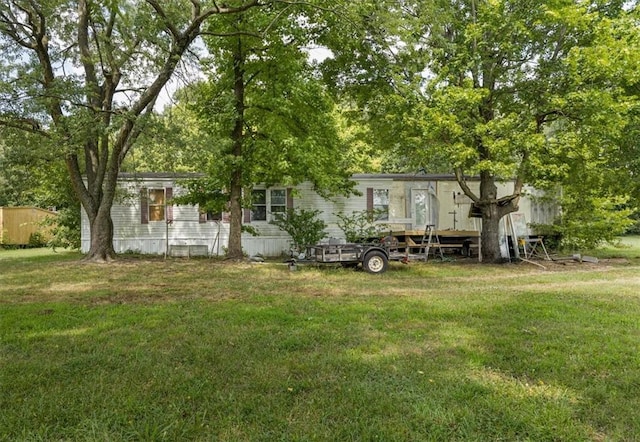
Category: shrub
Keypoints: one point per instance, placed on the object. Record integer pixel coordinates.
(361, 226)
(36, 240)
(302, 225)
(65, 228)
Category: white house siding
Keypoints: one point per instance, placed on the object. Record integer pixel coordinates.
(130, 235)
(152, 238)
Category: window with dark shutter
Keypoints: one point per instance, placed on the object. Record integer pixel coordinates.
(156, 203)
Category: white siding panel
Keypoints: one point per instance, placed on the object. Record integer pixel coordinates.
(131, 235)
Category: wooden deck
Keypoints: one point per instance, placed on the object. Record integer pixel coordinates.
(463, 242)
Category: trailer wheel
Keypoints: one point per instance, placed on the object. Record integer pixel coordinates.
(375, 262)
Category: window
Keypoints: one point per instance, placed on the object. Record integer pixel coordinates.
(209, 216)
(156, 204)
(278, 201)
(259, 205)
(381, 204)
(266, 203)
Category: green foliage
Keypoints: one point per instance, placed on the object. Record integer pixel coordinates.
(266, 115)
(304, 227)
(590, 221)
(33, 174)
(204, 192)
(506, 90)
(634, 229)
(36, 239)
(65, 228)
(362, 225)
(171, 142)
(86, 79)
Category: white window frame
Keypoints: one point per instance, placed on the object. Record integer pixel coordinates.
(381, 203)
(271, 206)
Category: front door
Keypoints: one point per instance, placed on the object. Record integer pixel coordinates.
(421, 211)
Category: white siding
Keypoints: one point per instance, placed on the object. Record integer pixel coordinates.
(130, 235)
(152, 238)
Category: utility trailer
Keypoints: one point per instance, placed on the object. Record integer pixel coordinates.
(373, 257)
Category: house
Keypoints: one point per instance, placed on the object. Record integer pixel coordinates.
(145, 221)
(18, 225)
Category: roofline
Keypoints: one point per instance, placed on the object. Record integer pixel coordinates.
(411, 176)
(358, 176)
(158, 175)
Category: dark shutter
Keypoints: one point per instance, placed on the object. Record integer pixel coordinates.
(289, 198)
(370, 199)
(144, 206)
(247, 216)
(226, 215)
(168, 194)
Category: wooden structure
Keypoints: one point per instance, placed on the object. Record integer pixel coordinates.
(419, 242)
(18, 224)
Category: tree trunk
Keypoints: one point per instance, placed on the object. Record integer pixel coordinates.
(235, 220)
(490, 236)
(237, 135)
(493, 210)
(101, 226)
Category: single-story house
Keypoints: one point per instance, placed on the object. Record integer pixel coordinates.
(18, 225)
(145, 221)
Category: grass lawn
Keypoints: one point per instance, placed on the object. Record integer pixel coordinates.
(202, 350)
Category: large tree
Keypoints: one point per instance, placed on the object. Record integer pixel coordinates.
(268, 115)
(494, 89)
(85, 73)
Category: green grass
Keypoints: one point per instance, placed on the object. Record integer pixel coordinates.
(203, 350)
(626, 247)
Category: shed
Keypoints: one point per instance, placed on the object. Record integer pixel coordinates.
(17, 224)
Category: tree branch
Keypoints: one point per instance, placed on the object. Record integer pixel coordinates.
(232, 34)
(175, 32)
(462, 181)
(24, 124)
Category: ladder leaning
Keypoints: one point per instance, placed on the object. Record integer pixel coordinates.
(431, 239)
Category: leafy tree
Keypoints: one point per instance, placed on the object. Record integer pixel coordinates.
(495, 89)
(598, 171)
(177, 127)
(269, 118)
(18, 179)
(32, 175)
(85, 75)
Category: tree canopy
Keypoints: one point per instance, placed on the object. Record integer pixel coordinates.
(527, 92)
(268, 117)
(539, 92)
(86, 73)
